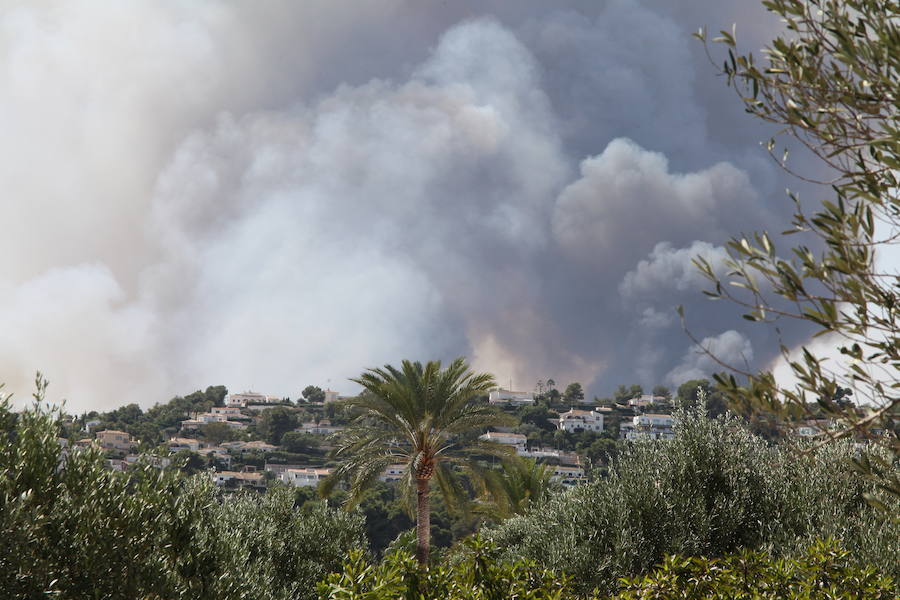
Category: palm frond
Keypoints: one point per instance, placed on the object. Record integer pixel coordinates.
(360, 471)
(512, 489)
(474, 449)
(418, 415)
(454, 492)
(362, 439)
(378, 409)
(475, 416)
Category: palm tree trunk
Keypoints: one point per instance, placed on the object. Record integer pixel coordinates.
(423, 521)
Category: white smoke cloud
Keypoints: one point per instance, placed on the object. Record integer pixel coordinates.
(668, 269)
(77, 321)
(279, 195)
(652, 319)
(627, 191)
(729, 347)
(336, 218)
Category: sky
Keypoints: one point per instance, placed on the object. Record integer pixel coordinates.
(274, 195)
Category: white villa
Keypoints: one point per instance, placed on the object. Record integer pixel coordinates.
(218, 453)
(245, 399)
(581, 420)
(501, 396)
(309, 477)
(516, 440)
(646, 400)
(198, 420)
(177, 444)
(113, 439)
(229, 412)
(567, 475)
(648, 426)
(321, 428)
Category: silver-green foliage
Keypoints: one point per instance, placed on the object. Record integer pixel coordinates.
(711, 491)
(477, 575)
(75, 529)
(823, 571)
(830, 81)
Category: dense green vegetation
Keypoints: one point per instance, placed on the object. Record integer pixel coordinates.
(387, 516)
(159, 422)
(711, 491)
(716, 490)
(477, 576)
(823, 570)
(420, 416)
(70, 528)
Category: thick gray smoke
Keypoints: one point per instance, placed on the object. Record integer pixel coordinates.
(279, 195)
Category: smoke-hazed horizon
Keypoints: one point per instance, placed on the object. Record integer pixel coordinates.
(282, 195)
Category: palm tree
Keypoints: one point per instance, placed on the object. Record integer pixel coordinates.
(424, 418)
(520, 483)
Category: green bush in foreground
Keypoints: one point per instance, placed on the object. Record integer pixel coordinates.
(479, 575)
(72, 529)
(712, 491)
(824, 572)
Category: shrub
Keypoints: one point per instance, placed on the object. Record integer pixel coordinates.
(73, 529)
(823, 571)
(477, 576)
(711, 491)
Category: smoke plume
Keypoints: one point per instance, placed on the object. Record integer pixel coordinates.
(273, 196)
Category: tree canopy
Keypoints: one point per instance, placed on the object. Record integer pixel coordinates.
(313, 393)
(574, 392)
(831, 83)
(275, 422)
(420, 416)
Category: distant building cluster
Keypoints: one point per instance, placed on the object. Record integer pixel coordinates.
(230, 463)
(118, 447)
(241, 410)
(568, 471)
